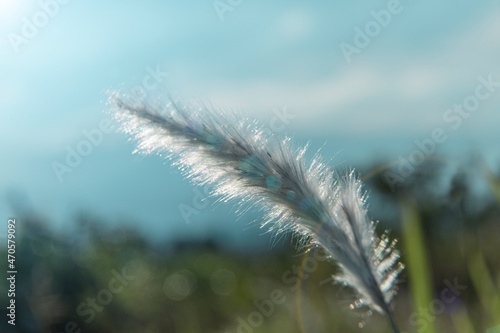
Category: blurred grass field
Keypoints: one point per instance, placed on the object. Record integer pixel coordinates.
(448, 238)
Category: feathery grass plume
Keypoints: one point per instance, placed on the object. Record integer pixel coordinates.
(248, 164)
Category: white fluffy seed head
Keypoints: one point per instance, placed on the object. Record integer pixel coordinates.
(243, 162)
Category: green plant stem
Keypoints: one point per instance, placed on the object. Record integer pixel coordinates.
(392, 322)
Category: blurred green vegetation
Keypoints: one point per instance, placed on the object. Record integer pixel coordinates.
(102, 279)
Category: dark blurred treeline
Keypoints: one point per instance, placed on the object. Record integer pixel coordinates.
(102, 279)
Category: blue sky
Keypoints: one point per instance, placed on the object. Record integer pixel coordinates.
(261, 57)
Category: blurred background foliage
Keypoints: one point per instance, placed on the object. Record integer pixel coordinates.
(448, 232)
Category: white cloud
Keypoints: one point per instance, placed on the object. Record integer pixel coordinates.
(410, 92)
